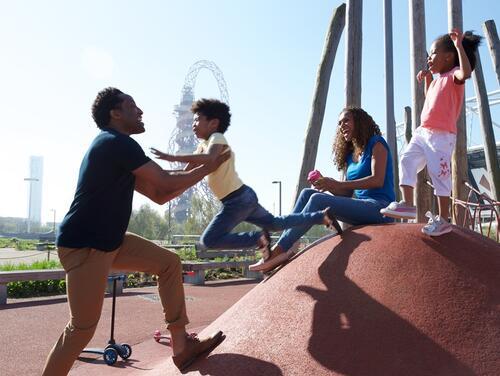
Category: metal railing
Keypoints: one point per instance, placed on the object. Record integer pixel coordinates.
(481, 213)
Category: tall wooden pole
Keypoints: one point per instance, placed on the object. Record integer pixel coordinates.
(490, 30)
(490, 150)
(313, 131)
(418, 57)
(389, 91)
(459, 165)
(354, 36)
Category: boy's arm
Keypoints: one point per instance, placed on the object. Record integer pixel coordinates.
(465, 70)
(162, 186)
(195, 159)
(190, 166)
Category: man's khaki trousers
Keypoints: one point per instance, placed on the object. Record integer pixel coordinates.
(87, 271)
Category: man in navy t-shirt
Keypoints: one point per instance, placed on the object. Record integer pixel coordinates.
(93, 240)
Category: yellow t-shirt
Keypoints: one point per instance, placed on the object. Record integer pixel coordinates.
(224, 180)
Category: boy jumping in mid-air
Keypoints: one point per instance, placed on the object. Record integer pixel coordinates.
(239, 201)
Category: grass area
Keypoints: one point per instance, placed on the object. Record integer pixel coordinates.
(44, 264)
(19, 244)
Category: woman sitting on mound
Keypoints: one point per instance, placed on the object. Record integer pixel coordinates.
(364, 156)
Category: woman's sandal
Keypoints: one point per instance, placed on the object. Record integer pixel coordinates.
(276, 258)
(331, 220)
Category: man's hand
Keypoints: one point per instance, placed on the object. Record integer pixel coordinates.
(160, 155)
(424, 73)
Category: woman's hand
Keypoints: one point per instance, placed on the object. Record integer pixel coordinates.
(327, 184)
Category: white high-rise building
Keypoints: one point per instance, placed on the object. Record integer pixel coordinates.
(35, 190)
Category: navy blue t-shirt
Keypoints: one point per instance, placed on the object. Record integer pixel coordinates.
(100, 212)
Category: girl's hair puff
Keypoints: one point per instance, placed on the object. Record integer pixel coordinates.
(364, 128)
(470, 42)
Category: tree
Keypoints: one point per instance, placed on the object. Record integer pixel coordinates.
(148, 223)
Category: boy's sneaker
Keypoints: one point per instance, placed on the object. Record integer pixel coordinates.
(436, 225)
(399, 210)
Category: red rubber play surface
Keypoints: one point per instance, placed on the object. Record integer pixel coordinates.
(380, 300)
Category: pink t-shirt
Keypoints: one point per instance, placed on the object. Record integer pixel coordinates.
(443, 103)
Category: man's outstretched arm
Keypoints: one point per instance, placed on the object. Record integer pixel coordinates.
(162, 186)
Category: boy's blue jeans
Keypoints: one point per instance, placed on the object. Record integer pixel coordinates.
(243, 206)
(346, 209)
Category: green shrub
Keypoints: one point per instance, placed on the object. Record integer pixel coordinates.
(140, 279)
(26, 289)
(187, 254)
(223, 273)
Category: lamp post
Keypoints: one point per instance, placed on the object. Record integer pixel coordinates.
(279, 190)
(169, 235)
(29, 201)
(54, 222)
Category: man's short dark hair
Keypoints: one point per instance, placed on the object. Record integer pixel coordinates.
(213, 109)
(107, 99)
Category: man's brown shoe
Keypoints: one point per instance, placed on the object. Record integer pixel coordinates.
(196, 348)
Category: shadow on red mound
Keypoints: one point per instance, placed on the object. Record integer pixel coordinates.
(233, 364)
(363, 337)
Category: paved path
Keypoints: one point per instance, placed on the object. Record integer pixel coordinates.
(29, 328)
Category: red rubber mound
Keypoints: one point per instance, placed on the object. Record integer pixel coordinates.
(380, 300)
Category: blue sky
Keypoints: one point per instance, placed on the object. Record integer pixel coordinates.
(58, 54)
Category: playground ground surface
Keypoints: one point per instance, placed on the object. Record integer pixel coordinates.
(29, 327)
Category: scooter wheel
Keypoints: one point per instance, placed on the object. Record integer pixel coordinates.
(110, 356)
(127, 351)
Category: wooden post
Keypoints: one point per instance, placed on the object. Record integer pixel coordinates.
(407, 121)
(354, 34)
(418, 56)
(490, 30)
(389, 92)
(490, 150)
(459, 165)
(313, 131)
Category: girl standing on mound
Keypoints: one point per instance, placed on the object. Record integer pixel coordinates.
(452, 59)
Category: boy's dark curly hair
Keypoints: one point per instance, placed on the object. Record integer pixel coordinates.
(213, 109)
(107, 99)
(364, 128)
(470, 42)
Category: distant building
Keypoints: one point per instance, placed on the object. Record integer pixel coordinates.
(35, 180)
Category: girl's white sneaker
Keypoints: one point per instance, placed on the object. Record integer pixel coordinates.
(436, 225)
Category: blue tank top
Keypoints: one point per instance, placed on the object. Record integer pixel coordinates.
(363, 168)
